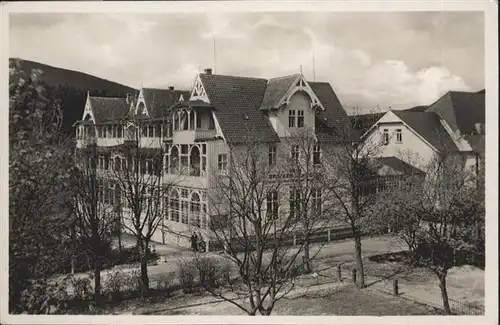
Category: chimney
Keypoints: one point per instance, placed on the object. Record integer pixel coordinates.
(479, 127)
(171, 88)
(208, 71)
(129, 98)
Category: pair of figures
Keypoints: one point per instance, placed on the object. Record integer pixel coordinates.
(197, 243)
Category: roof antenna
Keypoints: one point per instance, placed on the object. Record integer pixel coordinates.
(214, 57)
(314, 69)
(301, 69)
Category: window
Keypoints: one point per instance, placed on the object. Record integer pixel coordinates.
(272, 204)
(120, 131)
(300, 119)
(294, 203)
(399, 136)
(295, 152)
(106, 162)
(222, 162)
(110, 131)
(144, 131)
(291, 118)
(174, 206)
(195, 210)
(149, 167)
(115, 135)
(316, 202)
(316, 154)
(185, 212)
(385, 137)
(151, 131)
(272, 155)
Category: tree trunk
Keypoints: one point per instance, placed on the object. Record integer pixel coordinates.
(359, 261)
(144, 270)
(444, 293)
(307, 264)
(97, 285)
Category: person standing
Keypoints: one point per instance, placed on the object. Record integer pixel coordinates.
(194, 242)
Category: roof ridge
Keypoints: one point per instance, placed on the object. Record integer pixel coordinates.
(284, 77)
(233, 76)
(101, 97)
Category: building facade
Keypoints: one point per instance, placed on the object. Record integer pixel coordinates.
(187, 138)
(454, 125)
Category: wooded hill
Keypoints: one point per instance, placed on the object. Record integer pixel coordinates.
(71, 87)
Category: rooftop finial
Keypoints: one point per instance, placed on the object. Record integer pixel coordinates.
(301, 69)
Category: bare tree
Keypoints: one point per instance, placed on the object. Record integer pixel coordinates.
(353, 188)
(139, 176)
(250, 220)
(93, 213)
(438, 219)
(310, 197)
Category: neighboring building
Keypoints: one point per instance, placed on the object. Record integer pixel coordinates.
(197, 130)
(453, 124)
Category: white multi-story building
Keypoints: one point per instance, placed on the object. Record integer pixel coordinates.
(196, 132)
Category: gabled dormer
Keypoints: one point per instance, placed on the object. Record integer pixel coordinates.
(291, 104)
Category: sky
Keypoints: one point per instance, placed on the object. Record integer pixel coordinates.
(371, 59)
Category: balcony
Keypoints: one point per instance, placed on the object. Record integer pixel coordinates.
(190, 136)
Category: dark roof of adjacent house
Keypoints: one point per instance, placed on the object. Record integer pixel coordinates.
(276, 89)
(461, 110)
(362, 122)
(332, 124)
(476, 141)
(420, 108)
(397, 165)
(237, 101)
(428, 126)
(108, 108)
(159, 101)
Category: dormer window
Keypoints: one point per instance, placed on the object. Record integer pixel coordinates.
(291, 118)
(300, 118)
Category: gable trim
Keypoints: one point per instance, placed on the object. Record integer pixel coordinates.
(141, 99)
(300, 84)
(198, 91)
(88, 110)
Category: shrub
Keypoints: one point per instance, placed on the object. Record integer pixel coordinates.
(115, 285)
(82, 287)
(188, 276)
(210, 272)
(163, 284)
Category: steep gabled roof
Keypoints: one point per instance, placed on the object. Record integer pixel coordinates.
(276, 89)
(332, 124)
(237, 102)
(461, 110)
(428, 126)
(108, 108)
(159, 101)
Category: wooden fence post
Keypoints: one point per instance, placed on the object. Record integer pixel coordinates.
(395, 287)
(339, 273)
(353, 275)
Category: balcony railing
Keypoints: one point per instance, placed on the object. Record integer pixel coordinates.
(204, 134)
